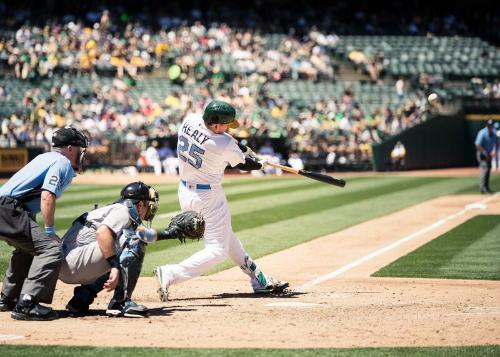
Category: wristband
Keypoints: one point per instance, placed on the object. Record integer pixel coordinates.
(50, 231)
(112, 261)
(147, 236)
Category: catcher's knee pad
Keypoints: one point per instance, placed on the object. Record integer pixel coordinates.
(133, 253)
(131, 260)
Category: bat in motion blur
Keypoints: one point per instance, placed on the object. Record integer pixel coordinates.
(312, 175)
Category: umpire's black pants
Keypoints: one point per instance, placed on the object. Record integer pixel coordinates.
(484, 172)
(36, 261)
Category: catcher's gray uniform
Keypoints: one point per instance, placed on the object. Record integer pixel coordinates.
(83, 259)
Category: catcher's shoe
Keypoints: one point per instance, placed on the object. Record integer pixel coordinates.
(115, 308)
(162, 276)
(273, 286)
(132, 309)
(81, 301)
(77, 306)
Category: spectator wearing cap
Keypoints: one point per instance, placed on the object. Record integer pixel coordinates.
(486, 146)
(35, 263)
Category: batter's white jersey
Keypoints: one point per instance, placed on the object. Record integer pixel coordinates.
(203, 157)
(203, 154)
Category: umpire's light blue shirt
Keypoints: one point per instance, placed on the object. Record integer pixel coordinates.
(51, 171)
(486, 140)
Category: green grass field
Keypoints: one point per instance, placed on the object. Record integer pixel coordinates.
(470, 251)
(62, 351)
(273, 214)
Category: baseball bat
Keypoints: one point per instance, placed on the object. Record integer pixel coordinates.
(312, 175)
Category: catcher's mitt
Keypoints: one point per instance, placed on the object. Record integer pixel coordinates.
(186, 225)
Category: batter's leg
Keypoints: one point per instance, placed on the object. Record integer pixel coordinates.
(197, 264)
(260, 282)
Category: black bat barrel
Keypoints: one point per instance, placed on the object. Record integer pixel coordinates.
(323, 178)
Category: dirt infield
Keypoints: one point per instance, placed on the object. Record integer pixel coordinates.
(335, 303)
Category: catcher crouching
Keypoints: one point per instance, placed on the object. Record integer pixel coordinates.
(105, 248)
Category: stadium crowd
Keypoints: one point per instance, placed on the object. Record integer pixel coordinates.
(197, 52)
(337, 126)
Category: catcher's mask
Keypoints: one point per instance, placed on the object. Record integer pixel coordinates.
(71, 136)
(139, 191)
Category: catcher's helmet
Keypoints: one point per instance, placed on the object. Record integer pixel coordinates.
(139, 191)
(220, 112)
(69, 136)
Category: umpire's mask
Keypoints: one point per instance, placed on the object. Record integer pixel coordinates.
(71, 136)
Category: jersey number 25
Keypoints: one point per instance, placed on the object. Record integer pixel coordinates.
(189, 153)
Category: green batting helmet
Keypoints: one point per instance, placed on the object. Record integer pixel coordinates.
(219, 112)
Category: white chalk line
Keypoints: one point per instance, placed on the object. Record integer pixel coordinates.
(297, 304)
(10, 337)
(335, 273)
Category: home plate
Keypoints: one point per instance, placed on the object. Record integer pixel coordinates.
(477, 205)
(10, 337)
(291, 304)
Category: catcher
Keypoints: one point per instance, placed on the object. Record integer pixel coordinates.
(104, 249)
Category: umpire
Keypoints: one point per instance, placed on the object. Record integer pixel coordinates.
(486, 145)
(35, 263)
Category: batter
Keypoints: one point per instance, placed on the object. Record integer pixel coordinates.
(205, 150)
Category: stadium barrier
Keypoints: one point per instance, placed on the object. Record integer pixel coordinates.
(440, 142)
(13, 159)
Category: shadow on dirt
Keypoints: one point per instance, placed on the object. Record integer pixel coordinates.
(286, 294)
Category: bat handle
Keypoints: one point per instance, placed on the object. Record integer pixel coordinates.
(284, 168)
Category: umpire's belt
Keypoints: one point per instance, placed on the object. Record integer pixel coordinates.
(196, 186)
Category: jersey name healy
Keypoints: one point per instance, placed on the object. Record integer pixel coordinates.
(196, 134)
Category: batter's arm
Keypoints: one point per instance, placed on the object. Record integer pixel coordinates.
(251, 158)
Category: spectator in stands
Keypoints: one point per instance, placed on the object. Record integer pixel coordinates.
(486, 146)
(400, 89)
(153, 158)
(398, 156)
(267, 152)
(169, 160)
(295, 161)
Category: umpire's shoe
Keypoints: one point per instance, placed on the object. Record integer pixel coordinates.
(7, 304)
(32, 311)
